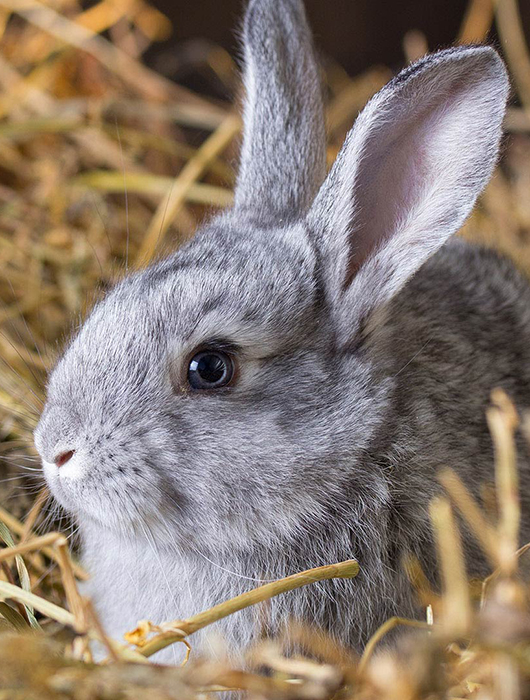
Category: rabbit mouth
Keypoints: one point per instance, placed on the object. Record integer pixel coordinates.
(76, 492)
(57, 488)
(87, 498)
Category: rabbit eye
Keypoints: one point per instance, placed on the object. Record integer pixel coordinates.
(210, 369)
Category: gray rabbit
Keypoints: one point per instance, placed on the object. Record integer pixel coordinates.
(281, 393)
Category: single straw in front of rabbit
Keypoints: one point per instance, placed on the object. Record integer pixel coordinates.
(168, 633)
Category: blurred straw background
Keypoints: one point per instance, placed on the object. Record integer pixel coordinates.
(106, 165)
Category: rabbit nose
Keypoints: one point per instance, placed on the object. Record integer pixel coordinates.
(63, 458)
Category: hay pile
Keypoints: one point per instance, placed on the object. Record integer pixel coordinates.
(105, 165)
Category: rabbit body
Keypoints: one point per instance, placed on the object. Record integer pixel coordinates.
(365, 345)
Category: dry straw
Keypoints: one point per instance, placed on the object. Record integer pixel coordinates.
(105, 165)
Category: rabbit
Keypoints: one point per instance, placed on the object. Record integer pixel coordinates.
(281, 392)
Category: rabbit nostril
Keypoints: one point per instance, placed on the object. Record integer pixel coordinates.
(63, 458)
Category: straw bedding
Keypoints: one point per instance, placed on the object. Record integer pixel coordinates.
(106, 165)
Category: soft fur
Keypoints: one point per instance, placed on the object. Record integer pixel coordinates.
(366, 358)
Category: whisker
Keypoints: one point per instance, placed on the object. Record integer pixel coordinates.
(28, 329)
(8, 408)
(94, 202)
(22, 490)
(37, 381)
(32, 408)
(18, 443)
(10, 456)
(51, 512)
(21, 466)
(5, 480)
(73, 534)
(47, 571)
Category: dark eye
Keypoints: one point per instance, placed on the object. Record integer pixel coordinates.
(210, 369)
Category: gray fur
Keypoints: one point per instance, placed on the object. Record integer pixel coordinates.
(358, 379)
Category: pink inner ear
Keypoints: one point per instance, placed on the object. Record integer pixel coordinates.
(404, 162)
(390, 189)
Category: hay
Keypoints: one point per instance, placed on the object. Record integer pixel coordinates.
(105, 165)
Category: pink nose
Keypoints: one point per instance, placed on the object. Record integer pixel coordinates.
(63, 458)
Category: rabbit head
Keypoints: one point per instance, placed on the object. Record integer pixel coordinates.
(225, 396)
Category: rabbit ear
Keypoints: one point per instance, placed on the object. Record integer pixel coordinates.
(408, 176)
(283, 156)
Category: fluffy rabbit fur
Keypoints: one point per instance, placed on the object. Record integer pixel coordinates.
(366, 343)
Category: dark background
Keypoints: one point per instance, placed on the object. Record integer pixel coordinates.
(356, 33)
